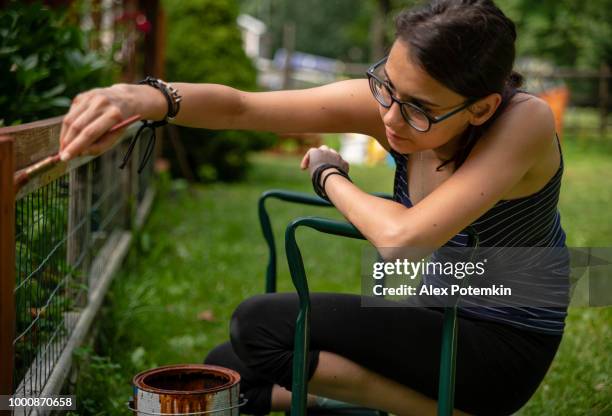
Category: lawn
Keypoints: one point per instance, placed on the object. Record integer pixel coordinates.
(201, 253)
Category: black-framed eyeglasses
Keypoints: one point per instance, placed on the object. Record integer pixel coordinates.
(414, 115)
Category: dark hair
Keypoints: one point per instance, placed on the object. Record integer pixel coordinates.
(468, 46)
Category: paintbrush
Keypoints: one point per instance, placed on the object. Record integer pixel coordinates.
(23, 176)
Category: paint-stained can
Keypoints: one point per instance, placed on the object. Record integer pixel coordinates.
(186, 389)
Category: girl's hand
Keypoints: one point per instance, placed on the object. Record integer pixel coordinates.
(316, 157)
(90, 117)
(93, 113)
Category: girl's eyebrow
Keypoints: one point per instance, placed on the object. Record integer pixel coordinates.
(416, 99)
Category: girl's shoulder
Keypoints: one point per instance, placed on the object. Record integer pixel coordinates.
(527, 118)
(530, 107)
(528, 122)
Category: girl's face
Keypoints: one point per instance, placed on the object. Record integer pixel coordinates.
(409, 82)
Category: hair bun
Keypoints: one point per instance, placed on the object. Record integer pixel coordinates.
(515, 80)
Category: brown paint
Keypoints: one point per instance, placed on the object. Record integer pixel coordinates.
(187, 380)
(175, 404)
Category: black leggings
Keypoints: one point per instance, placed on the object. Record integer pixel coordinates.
(498, 366)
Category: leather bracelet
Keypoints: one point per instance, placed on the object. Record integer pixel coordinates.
(173, 99)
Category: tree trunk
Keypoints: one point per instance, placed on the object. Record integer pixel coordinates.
(378, 29)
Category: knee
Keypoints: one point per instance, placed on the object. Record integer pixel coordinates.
(246, 327)
(255, 390)
(220, 355)
(262, 332)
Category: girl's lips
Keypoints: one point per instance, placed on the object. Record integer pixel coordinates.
(391, 135)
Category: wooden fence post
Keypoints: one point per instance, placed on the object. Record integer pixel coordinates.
(79, 209)
(289, 46)
(7, 265)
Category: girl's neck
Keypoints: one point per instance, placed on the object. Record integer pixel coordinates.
(448, 149)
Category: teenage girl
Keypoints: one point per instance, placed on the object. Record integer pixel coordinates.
(471, 151)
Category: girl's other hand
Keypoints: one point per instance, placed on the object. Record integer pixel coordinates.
(315, 157)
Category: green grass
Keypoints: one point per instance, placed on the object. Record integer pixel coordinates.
(202, 250)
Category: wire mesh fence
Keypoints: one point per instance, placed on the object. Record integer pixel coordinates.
(72, 228)
(44, 283)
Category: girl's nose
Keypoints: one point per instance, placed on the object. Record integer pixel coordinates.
(393, 117)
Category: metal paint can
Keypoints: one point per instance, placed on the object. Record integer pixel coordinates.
(186, 389)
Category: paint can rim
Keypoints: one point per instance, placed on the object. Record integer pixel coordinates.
(232, 376)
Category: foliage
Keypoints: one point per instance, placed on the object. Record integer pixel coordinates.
(44, 62)
(204, 45)
(340, 29)
(567, 32)
(336, 29)
(97, 379)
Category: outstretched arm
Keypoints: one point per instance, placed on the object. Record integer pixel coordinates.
(345, 106)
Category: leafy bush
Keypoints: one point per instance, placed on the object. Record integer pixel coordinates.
(43, 61)
(204, 45)
(99, 384)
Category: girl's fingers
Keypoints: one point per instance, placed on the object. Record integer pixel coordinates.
(306, 159)
(87, 129)
(76, 109)
(304, 162)
(104, 143)
(76, 121)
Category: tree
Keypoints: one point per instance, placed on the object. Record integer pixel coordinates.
(336, 29)
(204, 45)
(570, 33)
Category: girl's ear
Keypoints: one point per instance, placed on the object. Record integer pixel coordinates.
(484, 108)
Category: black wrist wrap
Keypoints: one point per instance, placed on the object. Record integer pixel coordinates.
(316, 178)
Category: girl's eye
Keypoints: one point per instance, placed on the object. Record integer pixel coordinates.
(422, 107)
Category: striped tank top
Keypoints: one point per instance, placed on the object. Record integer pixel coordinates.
(531, 221)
